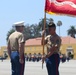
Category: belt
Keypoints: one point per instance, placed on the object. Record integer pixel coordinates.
(14, 51)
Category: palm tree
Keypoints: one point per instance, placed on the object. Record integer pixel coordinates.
(59, 23)
(71, 31)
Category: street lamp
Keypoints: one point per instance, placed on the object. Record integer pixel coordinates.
(59, 23)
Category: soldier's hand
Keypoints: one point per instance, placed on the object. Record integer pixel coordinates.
(56, 46)
(21, 61)
(43, 32)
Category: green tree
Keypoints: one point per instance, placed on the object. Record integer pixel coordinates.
(30, 31)
(27, 31)
(34, 30)
(71, 31)
(41, 24)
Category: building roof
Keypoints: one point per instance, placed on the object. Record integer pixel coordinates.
(37, 41)
(68, 40)
(34, 41)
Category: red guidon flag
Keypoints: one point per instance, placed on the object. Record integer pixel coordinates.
(67, 7)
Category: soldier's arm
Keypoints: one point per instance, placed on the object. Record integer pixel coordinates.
(52, 50)
(9, 49)
(21, 41)
(43, 41)
(21, 50)
(54, 47)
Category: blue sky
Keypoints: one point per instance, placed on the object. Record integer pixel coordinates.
(30, 11)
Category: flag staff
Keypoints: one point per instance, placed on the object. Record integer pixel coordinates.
(43, 37)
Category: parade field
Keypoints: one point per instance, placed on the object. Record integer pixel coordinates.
(35, 68)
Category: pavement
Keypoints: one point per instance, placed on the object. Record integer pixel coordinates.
(35, 68)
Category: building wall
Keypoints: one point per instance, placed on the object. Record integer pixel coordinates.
(65, 46)
(39, 49)
(34, 49)
(2, 50)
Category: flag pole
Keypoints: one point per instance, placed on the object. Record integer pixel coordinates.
(44, 37)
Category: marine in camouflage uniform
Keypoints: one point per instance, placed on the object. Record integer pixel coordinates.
(53, 42)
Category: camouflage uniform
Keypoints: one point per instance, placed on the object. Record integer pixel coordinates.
(53, 40)
(52, 62)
